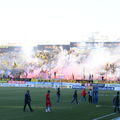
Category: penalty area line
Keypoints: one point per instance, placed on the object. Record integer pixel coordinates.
(104, 116)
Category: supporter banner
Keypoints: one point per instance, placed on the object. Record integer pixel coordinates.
(21, 79)
(3, 81)
(106, 88)
(117, 88)
(52, 84)
(99, 85)
(17, 82)
(78, 87)
(38, 84)
(106, 82)
(112, 85)
(12, 85)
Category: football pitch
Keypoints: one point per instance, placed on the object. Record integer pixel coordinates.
(12, 101)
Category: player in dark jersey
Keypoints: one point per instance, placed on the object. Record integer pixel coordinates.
(27, 101)
(116, 102)
(58, 95)
(75, 97)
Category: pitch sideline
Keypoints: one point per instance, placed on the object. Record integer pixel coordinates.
(104, 116)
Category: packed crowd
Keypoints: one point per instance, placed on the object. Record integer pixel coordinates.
(57, 64)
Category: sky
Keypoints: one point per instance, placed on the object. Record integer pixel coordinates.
(58, 21)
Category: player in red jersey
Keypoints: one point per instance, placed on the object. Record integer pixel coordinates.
(83, 95)
(48, 102)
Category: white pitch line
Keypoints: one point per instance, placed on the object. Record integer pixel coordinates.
(118, 118)
(104, 116)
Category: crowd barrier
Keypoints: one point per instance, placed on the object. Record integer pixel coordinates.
(38, 84)
(59, 84)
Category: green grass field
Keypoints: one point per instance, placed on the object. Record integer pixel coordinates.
(12, 100)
